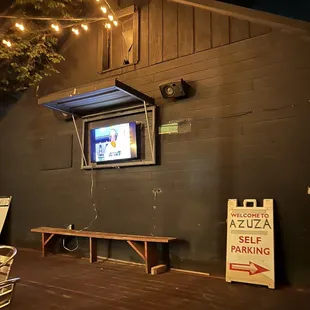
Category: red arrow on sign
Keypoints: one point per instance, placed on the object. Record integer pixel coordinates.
(251, 268)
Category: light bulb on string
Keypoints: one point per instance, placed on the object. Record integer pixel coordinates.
(55, 27)
(85, 27)
(115, 23)
(21, 27)
(110, 17)
(104, 9)
(108, 26)
(75, 31)
(7, 43)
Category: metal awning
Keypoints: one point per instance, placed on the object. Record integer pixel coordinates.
(90, 99)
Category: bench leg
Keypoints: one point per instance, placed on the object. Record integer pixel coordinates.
(45, 240)
(139, 248)
(43, 245)
(151, 255)
(92, 250)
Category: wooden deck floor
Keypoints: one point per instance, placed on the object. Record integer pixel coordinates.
(59, 282)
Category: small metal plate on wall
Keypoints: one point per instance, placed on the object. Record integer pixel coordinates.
(175, 127)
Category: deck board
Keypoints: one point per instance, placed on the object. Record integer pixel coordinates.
(62, 282)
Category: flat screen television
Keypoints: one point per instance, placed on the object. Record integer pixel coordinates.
(114, 143)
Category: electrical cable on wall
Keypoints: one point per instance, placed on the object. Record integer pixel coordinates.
(91, 191)
(92, 171)
(284, 107)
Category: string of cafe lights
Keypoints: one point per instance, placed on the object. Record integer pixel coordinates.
(81, 24)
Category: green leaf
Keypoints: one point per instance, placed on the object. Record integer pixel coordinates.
(35, 53)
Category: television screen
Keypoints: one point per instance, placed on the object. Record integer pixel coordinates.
(115, 142)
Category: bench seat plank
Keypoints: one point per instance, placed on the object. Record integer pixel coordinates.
(101, 235)
(145, 246)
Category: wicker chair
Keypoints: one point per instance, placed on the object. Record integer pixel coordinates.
(6, 292)
(7, 254)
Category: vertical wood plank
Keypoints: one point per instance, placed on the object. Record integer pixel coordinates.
(127, 39)
(185, 30)
(151, 256)
(257, 30)
(202, 30)
(170, 30)
(239, 29)
(117, 47)
(100, 52)
(136, 30)
(144, 37)
(220, 29)
(155, 31)
(102, 48)
(106, 62)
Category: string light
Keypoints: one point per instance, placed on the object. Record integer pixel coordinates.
(104, 9)
(7, 43)
(75, 31)
(85, 27)
(21, 27)
(55, 27)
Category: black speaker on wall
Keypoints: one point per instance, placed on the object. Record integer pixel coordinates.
(175, 89)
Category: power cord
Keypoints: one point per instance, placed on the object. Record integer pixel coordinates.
(91, 192)
(92, 174)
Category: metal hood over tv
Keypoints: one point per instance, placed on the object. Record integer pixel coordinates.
(94, 98)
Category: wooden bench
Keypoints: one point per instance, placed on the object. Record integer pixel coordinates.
(145, 246)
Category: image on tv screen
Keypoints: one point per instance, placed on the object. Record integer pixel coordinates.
(115, 142)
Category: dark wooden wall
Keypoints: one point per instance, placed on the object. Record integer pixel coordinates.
(167, 31)
(175, 30)
(249, 139)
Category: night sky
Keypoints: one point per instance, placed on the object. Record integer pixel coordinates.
(299, 9)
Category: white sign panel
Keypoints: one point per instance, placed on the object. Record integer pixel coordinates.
(250, 243)
(4, 208)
